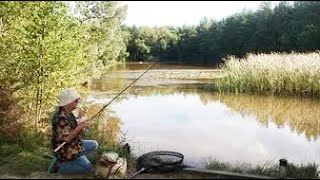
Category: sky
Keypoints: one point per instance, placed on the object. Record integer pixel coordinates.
(179, 13)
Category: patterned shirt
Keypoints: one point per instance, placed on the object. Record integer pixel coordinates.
(62, 125)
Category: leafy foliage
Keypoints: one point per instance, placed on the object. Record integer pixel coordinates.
(290, 26)
(44, 48)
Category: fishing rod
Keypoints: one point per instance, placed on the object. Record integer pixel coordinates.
(101, 110)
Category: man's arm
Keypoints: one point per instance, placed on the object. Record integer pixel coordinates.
(65, 131)
(72, 134)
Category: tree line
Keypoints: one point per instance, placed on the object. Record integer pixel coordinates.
(289, 26)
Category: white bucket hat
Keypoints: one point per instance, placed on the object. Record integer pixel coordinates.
(67, 96)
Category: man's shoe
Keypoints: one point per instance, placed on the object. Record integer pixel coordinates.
(55, 166)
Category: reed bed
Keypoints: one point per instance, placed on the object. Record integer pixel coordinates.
(276, 73)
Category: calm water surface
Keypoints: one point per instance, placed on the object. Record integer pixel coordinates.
(185, 116)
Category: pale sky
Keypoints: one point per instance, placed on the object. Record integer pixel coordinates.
(178, 13)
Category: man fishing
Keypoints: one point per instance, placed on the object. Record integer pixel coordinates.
(71, 157)
(70, 150)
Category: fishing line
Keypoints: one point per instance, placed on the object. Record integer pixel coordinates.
(101, 110)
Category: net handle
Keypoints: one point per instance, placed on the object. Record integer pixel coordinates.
(136, 173)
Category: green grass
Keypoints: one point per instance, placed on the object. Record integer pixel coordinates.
(32, 154)
(268, 169)
(19, 161)
(288, 74)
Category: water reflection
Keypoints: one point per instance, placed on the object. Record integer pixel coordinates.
(300, 114)
(106, 128)
(183, 123)
(190, 119)
(146, 65)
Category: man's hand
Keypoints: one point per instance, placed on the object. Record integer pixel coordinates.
(84, 118)
(84, 122)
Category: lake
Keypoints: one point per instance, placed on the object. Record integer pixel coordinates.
(186, 116)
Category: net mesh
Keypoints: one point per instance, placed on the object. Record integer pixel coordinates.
(161, 161)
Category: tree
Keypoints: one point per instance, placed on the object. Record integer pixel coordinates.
(41, 53)
(102, 20)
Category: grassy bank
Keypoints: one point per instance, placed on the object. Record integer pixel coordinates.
(19, 161)
(287, 74)
(28, 150)
(267, 169)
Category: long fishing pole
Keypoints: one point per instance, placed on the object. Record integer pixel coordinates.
(101, 110)
(98, 113)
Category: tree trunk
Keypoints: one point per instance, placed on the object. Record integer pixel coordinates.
(40, 80)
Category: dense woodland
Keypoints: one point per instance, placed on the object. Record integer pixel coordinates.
(289, 26)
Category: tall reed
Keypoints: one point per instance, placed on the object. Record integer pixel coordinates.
(276, 73)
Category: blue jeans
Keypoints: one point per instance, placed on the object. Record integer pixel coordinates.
(81, 164)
